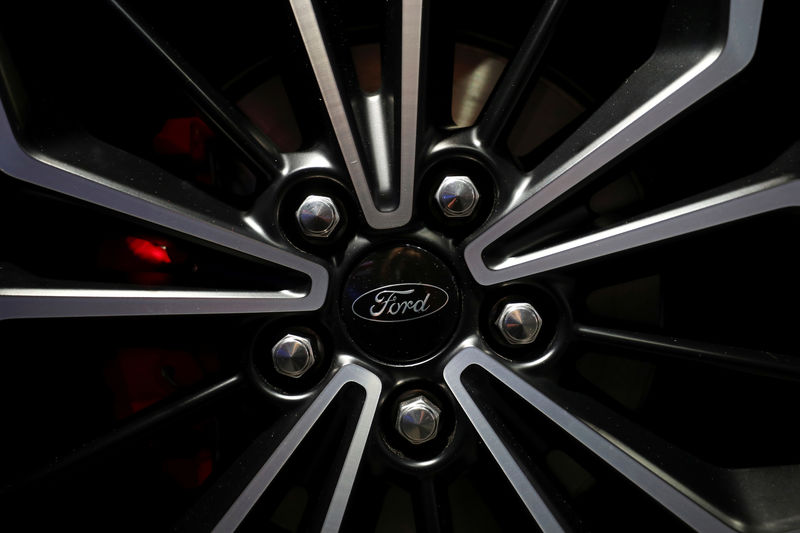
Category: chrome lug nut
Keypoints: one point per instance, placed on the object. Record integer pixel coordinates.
(317, 216)
(519, 323)
(457, 196)
(418, 419)
(293, 355)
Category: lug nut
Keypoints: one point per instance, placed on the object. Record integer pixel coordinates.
(317, 216)
(293, 356)
(519, 323)
(418, 419)
(457, 196)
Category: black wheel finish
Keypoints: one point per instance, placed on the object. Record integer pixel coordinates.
(636, 165)
(400, 304)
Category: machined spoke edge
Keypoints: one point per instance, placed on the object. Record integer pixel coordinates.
(622, 460)
(542, 510)
(46, 302)
(410, 70)
(654, 94)
(308, 23)
(350, 373)
(736, 203)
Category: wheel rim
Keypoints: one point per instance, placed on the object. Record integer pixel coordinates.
(503, 408)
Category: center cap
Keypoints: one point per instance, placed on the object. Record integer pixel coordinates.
(401, 304)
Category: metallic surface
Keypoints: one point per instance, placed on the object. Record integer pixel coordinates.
(457, 196)
(306, 18)
(317, 216)
(329, 86)
(675, 78)
(742, 201)
(542, 510)
(400, 304)
(625, 461)
(411, 41)
(293, 355)
(519, 323)
(349, 373)
(418, 419)
(40, 299)
(375, 126)
(661, 89)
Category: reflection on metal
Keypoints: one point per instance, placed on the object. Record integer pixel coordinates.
(519, 323)
(38, 299)
(457, 196)
(548, 109)
(411, 42)
(418, 420)
(375, 127)
(740, 202)
(350, 373)
(475, 73)
(268, 107)
(317, 216)
(293, 355)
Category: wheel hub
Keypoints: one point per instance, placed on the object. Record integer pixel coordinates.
(400, 304)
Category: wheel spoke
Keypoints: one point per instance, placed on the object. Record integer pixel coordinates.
(23, 296)
(745, 198)
(226, 117)
(631, 465)
(777, 365)
(437, 67)
(528, 489)
(410, 64)
(514, 83)
(236, 513)
(432, 508)
(139, 425)
(713, 210)
(738, 498)
(331, 88)
(115, 180)
(377, 130)
(674, 78)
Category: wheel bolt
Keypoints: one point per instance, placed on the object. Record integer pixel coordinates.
(457, 196)
(293, 355)
(519, 323)
(317, 216)
(418, 419)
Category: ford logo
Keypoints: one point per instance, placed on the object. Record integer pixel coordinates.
(400, 302)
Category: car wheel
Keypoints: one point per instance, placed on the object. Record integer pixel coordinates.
(399, 266)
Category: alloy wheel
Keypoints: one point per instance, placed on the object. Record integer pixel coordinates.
(409, 266)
